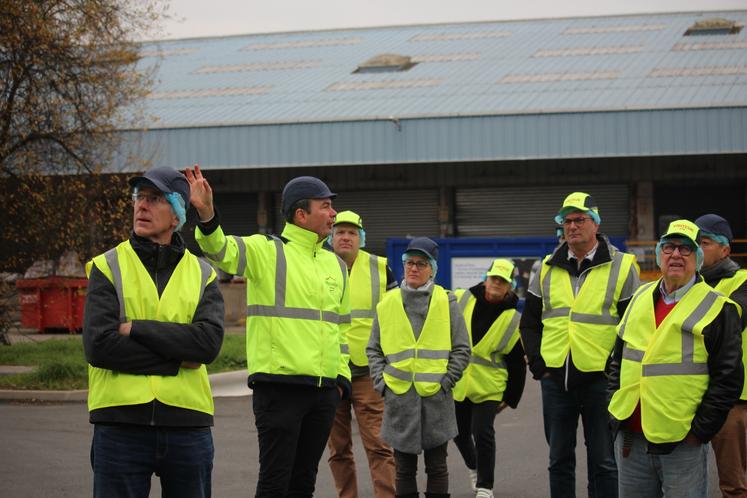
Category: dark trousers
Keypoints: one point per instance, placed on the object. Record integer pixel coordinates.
(476, 438)
(124, 458)
(560, 411)
(293, 424)
(435, 468)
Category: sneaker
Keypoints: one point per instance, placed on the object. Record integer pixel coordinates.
(473, 478)
(484, 493)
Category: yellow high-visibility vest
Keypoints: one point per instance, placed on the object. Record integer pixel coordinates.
(486, 375)
(422, 362)
(582, 321)
(665, 368)
(298, 305)
(367, 286)
(727, 286)
(139, 300)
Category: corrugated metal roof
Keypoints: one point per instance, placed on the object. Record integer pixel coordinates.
(479, 91)
(500, 68)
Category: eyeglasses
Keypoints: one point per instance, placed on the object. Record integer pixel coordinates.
(151, 198)
(420, 264)
(684, 249)
(578, 221)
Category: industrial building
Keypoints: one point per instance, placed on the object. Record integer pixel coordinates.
(463, 130)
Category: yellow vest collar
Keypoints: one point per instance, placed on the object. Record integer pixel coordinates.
(301, 236)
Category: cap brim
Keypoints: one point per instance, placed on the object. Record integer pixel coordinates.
(137, 180)
(678, 235)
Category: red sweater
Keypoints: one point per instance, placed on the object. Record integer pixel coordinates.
(661, 310)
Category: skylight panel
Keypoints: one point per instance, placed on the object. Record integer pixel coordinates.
(211, 92)
(551, 77)
(669, 72)
(471, 35)
(258, 66)
(614, 28)
(326, 42)
(168, 52)
(382, 85)
(695, 46)
(466, 56)
(584, 51)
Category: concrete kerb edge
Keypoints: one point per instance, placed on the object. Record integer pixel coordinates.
(225, 384)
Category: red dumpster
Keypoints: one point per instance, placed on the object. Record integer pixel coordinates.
(52, 302)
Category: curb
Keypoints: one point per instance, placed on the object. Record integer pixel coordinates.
(224, 384)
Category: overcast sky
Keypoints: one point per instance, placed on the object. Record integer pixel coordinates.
(199, 18)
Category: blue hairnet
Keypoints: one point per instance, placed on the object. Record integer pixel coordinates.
(177, 204)
(361, 234)
(723, 241)
(698, 255)
(433, 263)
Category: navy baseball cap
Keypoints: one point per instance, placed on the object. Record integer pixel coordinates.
(716, 225)
(304, 187)
(165, 179)
(424, 245)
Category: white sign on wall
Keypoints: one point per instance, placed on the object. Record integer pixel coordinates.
(466, 272)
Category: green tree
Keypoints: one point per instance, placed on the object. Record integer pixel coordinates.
(69, 79)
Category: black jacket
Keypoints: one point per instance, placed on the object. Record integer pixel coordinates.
(567, 376)
(726, 268)
(723, 342)
(483, 317)
(153, 347)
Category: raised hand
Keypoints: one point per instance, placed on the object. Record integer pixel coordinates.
(200, 193)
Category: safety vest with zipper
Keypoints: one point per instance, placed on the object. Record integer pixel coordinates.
(422, 362)
(367, 286)
(486, 376)
(139, 300)
(579, 315)
(665, 368)
(298, 309)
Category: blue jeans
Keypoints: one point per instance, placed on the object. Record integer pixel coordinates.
(124, 458)
(681, 474)
(560, 411)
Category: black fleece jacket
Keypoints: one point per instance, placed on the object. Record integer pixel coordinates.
(723, 342)
(153, 347)
(483, 317)
(727, 268)
(567, 376)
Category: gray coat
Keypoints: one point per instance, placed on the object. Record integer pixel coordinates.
(413, 423)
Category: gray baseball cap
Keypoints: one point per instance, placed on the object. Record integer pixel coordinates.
(165, 179)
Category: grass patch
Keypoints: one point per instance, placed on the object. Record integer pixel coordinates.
(60, 364)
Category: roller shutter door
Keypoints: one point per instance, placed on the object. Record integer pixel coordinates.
(389, 214)
(529, 211)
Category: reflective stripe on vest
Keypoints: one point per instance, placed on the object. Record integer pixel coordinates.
(422, 362)
(669, 392)
(582, 320)
(138, 299)
(727, 286)
(367, 281)
(241, 247)
(486, 376)
(279, 309)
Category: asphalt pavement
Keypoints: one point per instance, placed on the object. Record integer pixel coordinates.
(45, 452)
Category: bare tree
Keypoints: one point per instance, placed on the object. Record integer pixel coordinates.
(69, 79)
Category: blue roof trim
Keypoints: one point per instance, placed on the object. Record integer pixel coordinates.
(483, 138)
